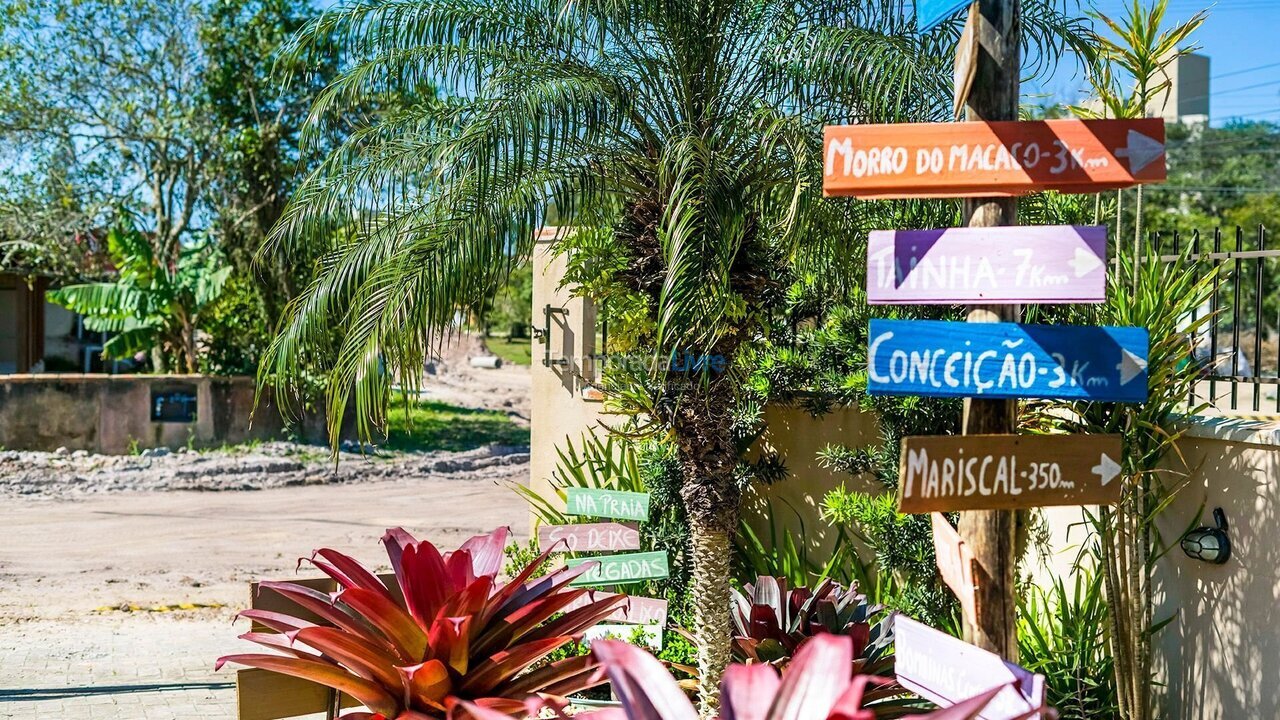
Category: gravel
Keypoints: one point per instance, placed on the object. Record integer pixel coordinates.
(269, 465)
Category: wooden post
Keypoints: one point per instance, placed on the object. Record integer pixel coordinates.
(992, 534)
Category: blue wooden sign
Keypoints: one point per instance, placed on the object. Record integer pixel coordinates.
(1007, 360)
(931, 13)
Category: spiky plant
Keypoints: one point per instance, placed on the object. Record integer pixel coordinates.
(771, 621)
(447, 630)
(687, 131)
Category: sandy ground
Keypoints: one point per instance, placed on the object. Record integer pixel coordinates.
(119, 577)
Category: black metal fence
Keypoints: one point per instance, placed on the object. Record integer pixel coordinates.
(1239, 351)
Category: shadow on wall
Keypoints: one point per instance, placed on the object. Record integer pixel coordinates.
(1223, 649)
(796, 501)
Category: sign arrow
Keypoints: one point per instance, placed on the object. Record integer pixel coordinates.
(1107, 469)
(1130, 366)
(1084, 262)
(1142, 151)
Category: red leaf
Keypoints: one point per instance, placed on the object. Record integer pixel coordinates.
(459, 569)
(965, 710)
(818, 675)
(488, 552)
(276, 641)
(641, 683)
(407, 637)
(355, 653)
(549, 676)
(422, 579)
(427, 684)
(367, 693)
(347, 571)
(278, 621)
(747, 692)
(395, 540)
(504, 665)
(449, 641)
(322, 605)
(849, 706)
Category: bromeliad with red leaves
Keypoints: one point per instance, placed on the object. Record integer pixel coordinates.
(818, 685)
(447, 632)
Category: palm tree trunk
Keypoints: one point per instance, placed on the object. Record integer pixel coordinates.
(711, 548)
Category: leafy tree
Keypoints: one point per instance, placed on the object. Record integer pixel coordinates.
(151, 305)
(686, 133)
(257, 103)
(511, 307)
(104, 97)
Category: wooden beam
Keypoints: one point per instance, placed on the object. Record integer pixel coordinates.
(992, 534)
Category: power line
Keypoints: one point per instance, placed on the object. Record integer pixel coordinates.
(1245, 71)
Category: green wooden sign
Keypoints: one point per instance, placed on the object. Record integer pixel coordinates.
(619, 569)
(607, 503)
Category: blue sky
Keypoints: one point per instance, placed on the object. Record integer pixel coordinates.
(1242, 40)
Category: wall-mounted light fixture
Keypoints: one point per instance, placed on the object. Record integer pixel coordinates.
(1209, 544)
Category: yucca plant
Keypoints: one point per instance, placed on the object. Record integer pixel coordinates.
(447, 630)
(817, 686)
(771, 621)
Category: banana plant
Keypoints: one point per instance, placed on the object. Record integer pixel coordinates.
(150, 305)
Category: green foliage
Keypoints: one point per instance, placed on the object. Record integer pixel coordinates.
(1160, 297)
(906, 576)
(517, 351)
(425, 425)
(779, 555)
(1063, 635)
(100, 103)
(150, 304)
(237, 329)
(510, 309)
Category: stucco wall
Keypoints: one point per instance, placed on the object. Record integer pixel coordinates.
(1220, 657)
(558, 408)
(797, 437)
(113, 413)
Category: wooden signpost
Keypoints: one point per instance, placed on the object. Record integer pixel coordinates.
(617, 504)
(639, 616)
(650, 635)
(1049, 264)
(619, 569)
(989, 472)
(955, 563)
(1007, 360)
(991, 159)
(947, 670)
(638, 610)
(589, 537)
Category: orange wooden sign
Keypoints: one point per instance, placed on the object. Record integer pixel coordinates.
(947, 473)
(991, 159)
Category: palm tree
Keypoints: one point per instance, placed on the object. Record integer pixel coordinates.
(690, 130)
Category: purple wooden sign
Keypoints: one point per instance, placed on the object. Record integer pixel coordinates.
(1044, 264)
(589, 537)
(947, 670)
(636, 610)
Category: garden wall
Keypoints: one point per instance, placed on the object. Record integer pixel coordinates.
(1219, 656)
(115, 414)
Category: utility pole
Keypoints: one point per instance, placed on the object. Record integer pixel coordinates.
(992, 534)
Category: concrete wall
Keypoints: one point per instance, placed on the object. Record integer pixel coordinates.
(797, 437)
(560, 390)
(113, 413)
(1219, 658)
